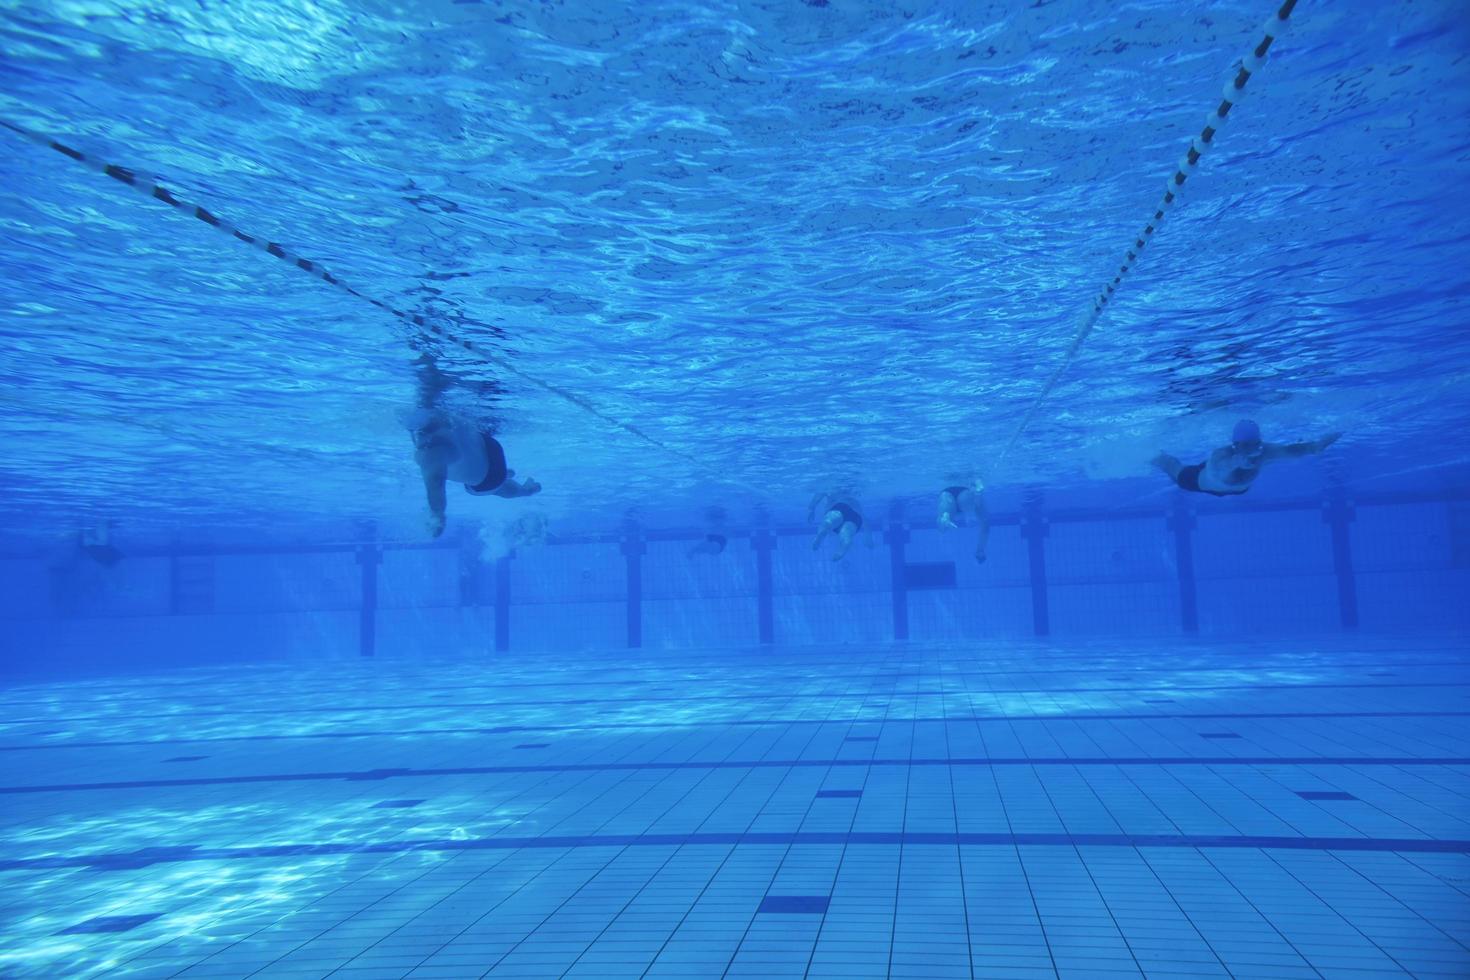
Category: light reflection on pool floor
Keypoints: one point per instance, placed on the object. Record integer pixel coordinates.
(1026, 810)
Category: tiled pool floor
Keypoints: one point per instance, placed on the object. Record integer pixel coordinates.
(1002, 811)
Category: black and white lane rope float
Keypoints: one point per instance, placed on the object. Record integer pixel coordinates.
(145, 185)
(1233, 92)
(1251, 63)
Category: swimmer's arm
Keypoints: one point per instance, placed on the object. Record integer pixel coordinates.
(435, 473)
(1294, 450)
(982, 517)
(811, 508)
(434, 487)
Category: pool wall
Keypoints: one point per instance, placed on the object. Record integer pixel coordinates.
(1392, 564)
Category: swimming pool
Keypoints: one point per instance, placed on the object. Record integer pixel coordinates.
(934, 811)
(692, 264)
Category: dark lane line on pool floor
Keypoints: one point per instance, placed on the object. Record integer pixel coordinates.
(130, 861)
(737, 722)
(396, 773)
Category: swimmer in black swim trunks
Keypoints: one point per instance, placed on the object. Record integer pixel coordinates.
(953, 501)
(710, 544)
(96, 544)
(714, 541)
(449, 449)
(1230, 470)
(840, 513)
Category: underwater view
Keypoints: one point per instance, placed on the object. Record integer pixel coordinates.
(759, 488)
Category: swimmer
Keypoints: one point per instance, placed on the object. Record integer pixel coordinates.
(452, 449)
(710, 544)
(840, 514)
(96, 544)
(1232, 469)
(714, 541)
(953, 501)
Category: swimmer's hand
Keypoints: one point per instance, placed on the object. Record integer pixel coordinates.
(435, 525)
(945, 521)
(980, 557)
(1327, 440)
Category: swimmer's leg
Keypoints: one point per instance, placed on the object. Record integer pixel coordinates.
(1168, 464)
(947, 506)
(844, 539)
(831, 521)
(512, 488)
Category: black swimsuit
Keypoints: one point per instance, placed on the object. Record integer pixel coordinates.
(1188, 479)
(497, 472)
(849, 516)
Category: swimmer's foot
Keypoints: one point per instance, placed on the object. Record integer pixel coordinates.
(1168, 464)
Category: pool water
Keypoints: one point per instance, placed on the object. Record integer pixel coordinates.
(693, 263)
(795, 244)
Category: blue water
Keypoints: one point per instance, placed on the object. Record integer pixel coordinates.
(803, 244)
(693, 263)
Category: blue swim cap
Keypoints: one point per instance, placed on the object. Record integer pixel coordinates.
(1246, 431)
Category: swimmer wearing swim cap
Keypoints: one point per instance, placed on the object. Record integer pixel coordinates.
(1230, 470)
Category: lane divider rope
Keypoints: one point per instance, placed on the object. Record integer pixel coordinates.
(145, 185)
(1233, 92)
(1274, 27)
